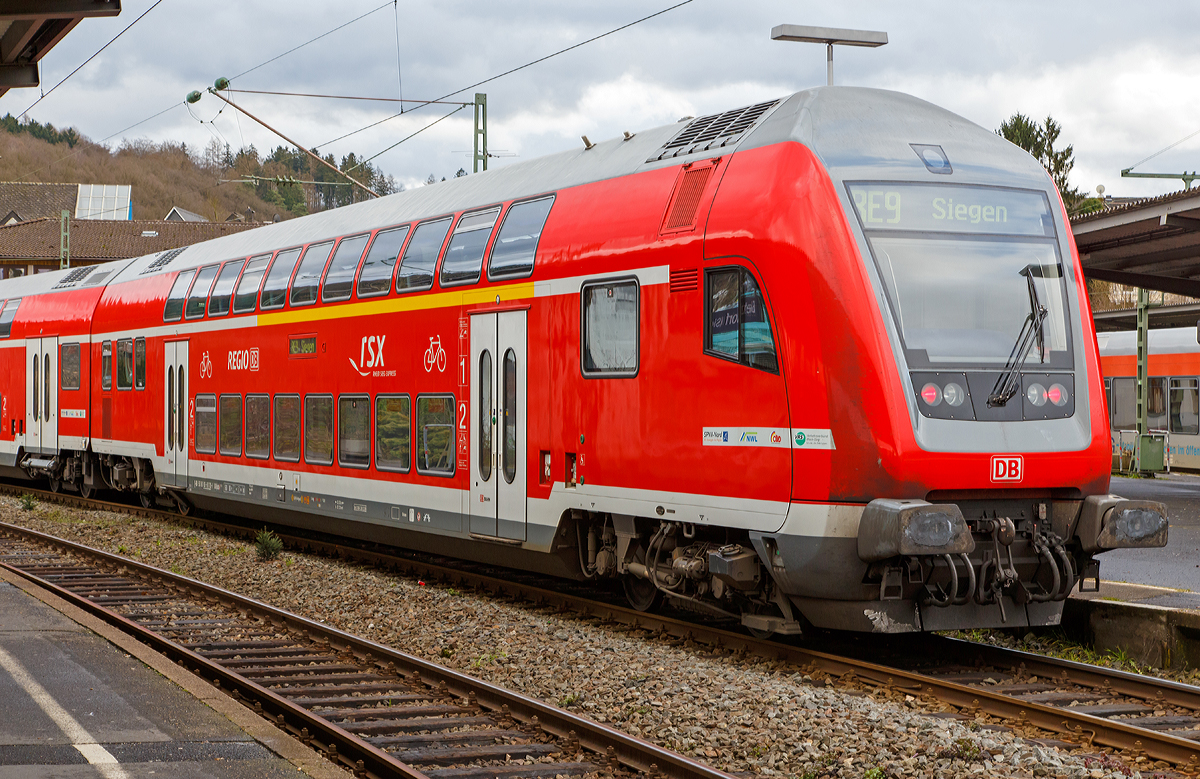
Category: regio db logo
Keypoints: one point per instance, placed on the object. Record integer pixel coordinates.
(242, 360)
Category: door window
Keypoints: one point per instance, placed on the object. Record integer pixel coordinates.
(49, 412)
(510, 415)
(36, 372)
(181, 414)
(139, 363)
(485, 415)
(170, 407)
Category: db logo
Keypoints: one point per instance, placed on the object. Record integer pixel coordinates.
(1008, 467)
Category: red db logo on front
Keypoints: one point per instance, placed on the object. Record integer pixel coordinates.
(1007, 467)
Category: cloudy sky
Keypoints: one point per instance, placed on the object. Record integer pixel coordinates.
(1121, 84)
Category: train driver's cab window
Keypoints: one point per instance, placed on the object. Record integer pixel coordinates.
(339, 279)
(206, 424)
(274, 291)
(222, 294)
(69, 366)
(125, 364)
(7, 315)
(464, 255)
(246, 296)
(173, 310)
(198, 300)
(738, 327)
(610, 328)
(376, 276)
(106, 365)
(308, 276)
(1185, 406)
(421, 256)
(435, 435)
(516, 245)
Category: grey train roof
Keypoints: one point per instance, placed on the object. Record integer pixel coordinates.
(857, 132)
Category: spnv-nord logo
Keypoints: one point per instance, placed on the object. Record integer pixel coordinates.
(1008, 467)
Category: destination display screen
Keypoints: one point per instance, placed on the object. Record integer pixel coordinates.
(954, 209)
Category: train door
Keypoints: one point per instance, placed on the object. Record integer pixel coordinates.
(175, 413)
(41, 395)
(497, 453)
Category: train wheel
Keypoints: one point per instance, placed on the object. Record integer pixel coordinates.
(56, 485)
(641, 594)
(86, 490)
(147, 500)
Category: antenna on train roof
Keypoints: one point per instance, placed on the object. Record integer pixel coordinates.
(829, 36)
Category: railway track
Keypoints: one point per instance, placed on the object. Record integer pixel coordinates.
(1091, 706)
(375, 711)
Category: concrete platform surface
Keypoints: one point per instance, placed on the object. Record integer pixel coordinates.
(1177, 565)
(72, 704)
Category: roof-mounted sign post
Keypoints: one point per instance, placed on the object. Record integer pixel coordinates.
(829, 36)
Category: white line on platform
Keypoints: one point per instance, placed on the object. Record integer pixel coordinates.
(80, 738)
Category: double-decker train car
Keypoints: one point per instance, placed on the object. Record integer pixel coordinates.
(821, 360)
(1172, 394)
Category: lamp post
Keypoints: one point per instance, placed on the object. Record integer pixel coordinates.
(830, 36)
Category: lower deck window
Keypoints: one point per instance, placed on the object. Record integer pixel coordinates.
(610, 328)
(206, 424)
(435, 434)
(231, 425)
(318, 429)
(354, 431)
(287, 428)
(393, 432)
(258, 426)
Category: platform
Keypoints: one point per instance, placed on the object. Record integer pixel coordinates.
(80, 699)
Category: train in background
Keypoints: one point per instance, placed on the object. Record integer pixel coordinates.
(822, 360)
(1172, 395)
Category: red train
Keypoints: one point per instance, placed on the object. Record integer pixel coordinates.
(823, 359)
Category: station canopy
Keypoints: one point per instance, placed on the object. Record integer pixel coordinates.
(1153, 244)
(30, 28)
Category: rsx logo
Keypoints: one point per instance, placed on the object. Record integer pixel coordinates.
(370, 354)
(1008, 467)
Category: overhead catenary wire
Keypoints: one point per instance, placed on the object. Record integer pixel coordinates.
(346, 97)
(1160, 151)
(89, 59)
(508, 72)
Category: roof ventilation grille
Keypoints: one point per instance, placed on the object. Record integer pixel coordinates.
(74, 277)
(714, 131)
(162, 260)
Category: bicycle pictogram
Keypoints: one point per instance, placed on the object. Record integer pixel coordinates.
(205, 367)
(435, 354)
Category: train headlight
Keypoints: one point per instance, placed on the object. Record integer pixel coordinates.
(954, 394)
(1037, 394)
(931, 394)
(1057, 394)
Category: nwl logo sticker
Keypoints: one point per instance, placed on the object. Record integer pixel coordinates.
(1008, 467)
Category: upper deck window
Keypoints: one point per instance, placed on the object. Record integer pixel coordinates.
(376, 276)
(339, 279)
(218, 304)
(7, 316)
(173, 310)
(274, 291)
(516, 245)
(964, 268)
(304, 286)
(198, 300)
(464, 256)
(421, 256)
(246, 297)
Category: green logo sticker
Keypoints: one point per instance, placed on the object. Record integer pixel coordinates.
(800, 438)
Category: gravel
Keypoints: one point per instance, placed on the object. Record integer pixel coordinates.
(738, 713)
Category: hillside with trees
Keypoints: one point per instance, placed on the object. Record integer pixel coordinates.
(214, 181)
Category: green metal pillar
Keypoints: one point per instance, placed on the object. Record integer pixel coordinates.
(481, 156)
(1149, 454)
(64, 240)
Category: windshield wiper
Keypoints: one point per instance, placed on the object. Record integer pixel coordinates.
(1009, 382)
